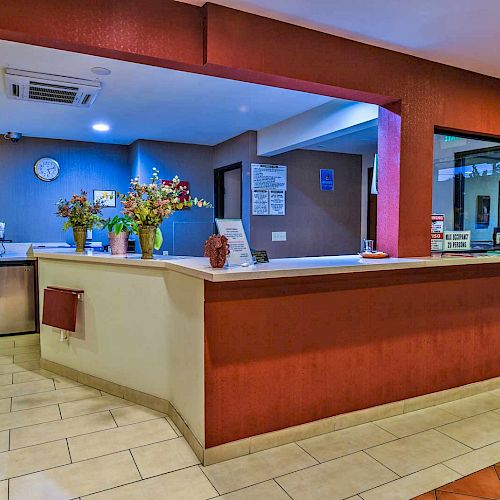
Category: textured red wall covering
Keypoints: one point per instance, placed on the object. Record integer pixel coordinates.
(225, 42)
(282, 352)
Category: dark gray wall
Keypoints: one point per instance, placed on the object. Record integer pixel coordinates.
(186, 231)
(316, 222)
(27, 204)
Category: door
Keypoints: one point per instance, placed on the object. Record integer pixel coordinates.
(227, 192)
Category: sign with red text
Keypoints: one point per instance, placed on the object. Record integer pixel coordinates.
(437, 232)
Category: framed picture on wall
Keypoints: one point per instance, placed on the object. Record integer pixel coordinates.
(106, 196)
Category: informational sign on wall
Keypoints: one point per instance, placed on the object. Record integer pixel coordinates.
(239, 250)
(277, 202)
(437, 232)
(269, 184)
(326, 179)
(456, 241)
(260, 202)
(270, 177)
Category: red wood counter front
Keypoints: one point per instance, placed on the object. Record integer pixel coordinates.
(282, 352)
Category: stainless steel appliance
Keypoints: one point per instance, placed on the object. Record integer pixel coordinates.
(17, 297)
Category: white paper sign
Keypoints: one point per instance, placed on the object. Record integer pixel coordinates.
(239, 250)
(271, 177)
(456, 241)
(277, 202)
(260, 202)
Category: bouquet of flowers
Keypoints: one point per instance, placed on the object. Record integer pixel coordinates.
(80, 212)
(149, 204)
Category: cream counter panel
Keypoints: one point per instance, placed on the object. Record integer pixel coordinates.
(138, 327)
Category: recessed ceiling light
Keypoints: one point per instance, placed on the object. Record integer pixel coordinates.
(244, 108)
(100, 127)
(101, 71)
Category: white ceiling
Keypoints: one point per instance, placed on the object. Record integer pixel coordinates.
(462, 33)
(144, 102)
(358, 142)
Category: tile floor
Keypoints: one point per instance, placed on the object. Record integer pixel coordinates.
(63, 440)
(482, 484)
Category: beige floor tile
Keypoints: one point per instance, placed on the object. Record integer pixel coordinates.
(5, 405)
(477, 431)
(53, 397)
(29, 339)
(118, 439)
(417, 452)
(269, 490)
(70, 481)
(167, 456)
(13, 390)
(413, 485)
(7, 343)
(474, 405)
(20, 367)
(4, 441)
(258, 467)
(416, 421)
(92, 405)
(52, 431)
(186, 484)
(29, 417)
(18, 350)
(340, 443)
(6, 360)
(30, 376)
(337, 479)
(26, 356)
(33, 459)
(4, 490)
(475, 460)
(176, 429)
(134, 414)
(6, 379)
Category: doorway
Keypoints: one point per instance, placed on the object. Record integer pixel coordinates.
(227, 192)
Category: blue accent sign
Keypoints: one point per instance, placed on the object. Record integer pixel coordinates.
(326, 179)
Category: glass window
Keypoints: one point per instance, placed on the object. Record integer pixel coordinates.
(467, 186)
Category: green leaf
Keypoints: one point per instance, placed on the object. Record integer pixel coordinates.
(158, 239)
(118, 227)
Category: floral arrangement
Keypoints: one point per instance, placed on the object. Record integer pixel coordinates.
(149, 204)
(80, 212)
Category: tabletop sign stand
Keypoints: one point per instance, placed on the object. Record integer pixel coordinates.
(239, 249)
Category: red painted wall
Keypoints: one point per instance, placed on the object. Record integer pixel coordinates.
(284, 352)
(225, 42)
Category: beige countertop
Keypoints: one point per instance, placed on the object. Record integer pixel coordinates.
(199, 267)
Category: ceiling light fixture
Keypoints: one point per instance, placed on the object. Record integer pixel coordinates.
(100, 127)
(100, 71)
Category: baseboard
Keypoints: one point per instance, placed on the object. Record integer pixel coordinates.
(253, 444)
(132, 395)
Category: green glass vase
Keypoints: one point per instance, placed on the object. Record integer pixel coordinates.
(147, 236)
(80, 235)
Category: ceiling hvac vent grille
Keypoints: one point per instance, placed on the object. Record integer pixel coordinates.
(41, 87)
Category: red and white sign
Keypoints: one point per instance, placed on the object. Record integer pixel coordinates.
(437, 233)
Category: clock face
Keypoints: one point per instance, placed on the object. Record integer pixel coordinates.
(47, 169)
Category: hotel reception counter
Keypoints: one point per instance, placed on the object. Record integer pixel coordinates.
(244, 359)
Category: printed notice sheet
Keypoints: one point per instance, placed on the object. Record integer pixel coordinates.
(270, 177)
(239, 250)
(277, 202)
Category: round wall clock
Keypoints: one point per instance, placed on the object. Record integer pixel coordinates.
(47, 169)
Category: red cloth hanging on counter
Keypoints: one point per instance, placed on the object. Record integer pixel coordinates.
(60, 307)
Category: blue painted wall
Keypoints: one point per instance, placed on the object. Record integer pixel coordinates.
(186, 231)
(27, 204)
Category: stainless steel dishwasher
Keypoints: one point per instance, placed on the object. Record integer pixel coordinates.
(17, 297)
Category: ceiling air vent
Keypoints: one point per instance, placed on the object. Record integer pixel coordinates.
(41, 87)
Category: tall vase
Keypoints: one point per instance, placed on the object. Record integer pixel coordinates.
(80, 235)
(147, 236)
(118, 243)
